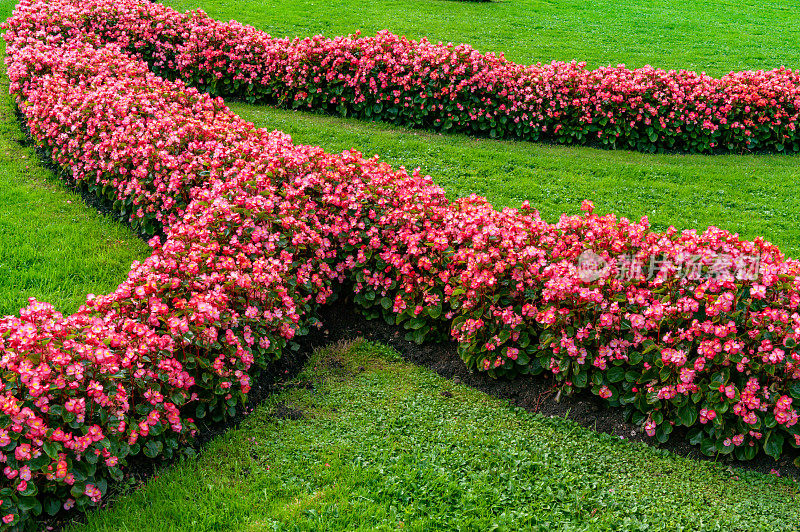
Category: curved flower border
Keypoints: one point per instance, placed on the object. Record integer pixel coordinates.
(259, 232)
(450, 87)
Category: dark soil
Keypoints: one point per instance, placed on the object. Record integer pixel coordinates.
(284, 411)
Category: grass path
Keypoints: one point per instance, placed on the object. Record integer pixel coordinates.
(384, 445)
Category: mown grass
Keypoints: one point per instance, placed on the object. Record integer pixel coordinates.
(754, 195)
(384, 445)
(716, 36)
(52, 246)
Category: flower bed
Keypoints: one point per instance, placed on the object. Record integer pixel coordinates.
(258, 232)
(448, 87)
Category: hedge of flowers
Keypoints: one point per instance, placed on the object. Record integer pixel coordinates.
(448, 87)
(259, 232)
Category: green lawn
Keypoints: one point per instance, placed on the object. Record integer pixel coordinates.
(384, 445)
(52, 246)
(712, 35)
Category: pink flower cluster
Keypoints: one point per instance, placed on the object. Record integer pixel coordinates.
(444, 86)
(259, 232)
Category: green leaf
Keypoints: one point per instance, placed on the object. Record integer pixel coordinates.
(39, 462)
(52, 505)
(794, 390)
(637, 418)
(746, 452)
(415, 323)
(723, 449)
(123, 450)
(657, 416)
(30, 505)
(650, 347)
(77, 489)
(695, 436)
(615, 374)
(687, 415)
(116, 473)
(153, 449)
(85, 468)
(178, 398)
(102, 485)
(773, 444)
(708, 447)
(156, 429)
(51, 449)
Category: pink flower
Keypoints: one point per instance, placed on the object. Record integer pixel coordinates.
(707, 415)
(758, 291)
(92, 492)
(23, 452)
